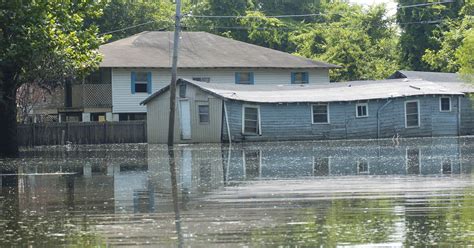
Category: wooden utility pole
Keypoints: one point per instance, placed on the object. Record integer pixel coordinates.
(174, 71)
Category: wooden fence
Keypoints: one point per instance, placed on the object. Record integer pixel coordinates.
(82, 133)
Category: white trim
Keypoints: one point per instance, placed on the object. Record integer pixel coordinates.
(418, 108)
(450, 104)
(327, 114)
(366, 109)
(258, 119)
(203, 103)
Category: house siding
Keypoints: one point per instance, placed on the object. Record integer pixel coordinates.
(158, 117)
(125, 102)
(293, 121)
(467, 116)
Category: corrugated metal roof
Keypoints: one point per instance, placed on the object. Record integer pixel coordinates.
(335, 92)
(197, 50)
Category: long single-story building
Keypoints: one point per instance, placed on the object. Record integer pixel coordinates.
(208, 112)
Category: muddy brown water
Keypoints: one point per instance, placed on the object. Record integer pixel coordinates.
(418, 192)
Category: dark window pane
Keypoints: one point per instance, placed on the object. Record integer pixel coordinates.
(139, 87)
(445, 104)
(182, 90)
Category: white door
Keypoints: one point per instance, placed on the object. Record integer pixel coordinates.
(185, 119)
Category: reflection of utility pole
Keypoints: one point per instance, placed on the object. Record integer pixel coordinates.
(172, 162)
(174, 71)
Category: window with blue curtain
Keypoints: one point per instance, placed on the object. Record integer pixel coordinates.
(244, 78)
(141, 82)
(299, 78)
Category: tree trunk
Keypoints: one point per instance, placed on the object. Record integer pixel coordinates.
(8, 125)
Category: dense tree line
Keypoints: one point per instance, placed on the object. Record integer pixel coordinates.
(364, 40)
(46, 42)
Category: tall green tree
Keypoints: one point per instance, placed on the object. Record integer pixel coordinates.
(450, 36)
(362, 41)
(416, 36)
(465, 56)
(44, 42)
(125, 18)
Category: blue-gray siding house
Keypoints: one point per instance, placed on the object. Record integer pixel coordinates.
(353, 110)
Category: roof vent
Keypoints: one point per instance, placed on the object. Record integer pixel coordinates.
(414, 87)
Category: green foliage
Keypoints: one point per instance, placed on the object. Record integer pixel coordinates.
(120, 14)
(415, 37)
(450, 37)
(46, 41)
(362, 41)
(465, 55)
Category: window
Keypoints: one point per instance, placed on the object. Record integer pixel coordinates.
(251, 120)
(445, 104)
(100, 117)
(203, 111)
(244, 78)
(320, 166)
(412, 114)
(141, 82)
(362, 166)
(202, 79)
(132, 116)
(321, 114)
(413, 160)
(182, 90)
(299, 78)
(362, 110)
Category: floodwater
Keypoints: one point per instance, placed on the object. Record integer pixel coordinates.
(417, 192)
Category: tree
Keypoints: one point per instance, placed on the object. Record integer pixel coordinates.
(450, 37)
(416, 36)
(362, 41)
(127, 18)
(465, 55)
(45, 43)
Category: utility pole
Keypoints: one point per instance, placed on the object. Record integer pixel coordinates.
(174, 71)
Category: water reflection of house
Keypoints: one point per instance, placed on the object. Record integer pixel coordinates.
(412, 157)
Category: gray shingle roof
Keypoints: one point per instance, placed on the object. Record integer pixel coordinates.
(335, 92)
(197, 50)
(448, 80)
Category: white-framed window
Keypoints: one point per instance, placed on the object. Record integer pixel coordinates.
(445, 104)
(412, 114)
(362, 110)
(141, 82)
(251, 120)
(202, 79)
(320, 113)
(203, 112)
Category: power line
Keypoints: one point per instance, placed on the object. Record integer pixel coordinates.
(129, 27)
(252, 17)
(424, 4)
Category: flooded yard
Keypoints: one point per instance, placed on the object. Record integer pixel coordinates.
(416, 192)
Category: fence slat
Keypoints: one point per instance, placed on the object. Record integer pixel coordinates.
(82, 133)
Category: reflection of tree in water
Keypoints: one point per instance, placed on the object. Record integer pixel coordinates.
(444, 220)
(334, 222)
(23, 227)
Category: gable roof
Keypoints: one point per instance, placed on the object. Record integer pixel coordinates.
(335, 92)
(197, 50)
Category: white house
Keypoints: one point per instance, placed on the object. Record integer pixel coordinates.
(141, 64)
